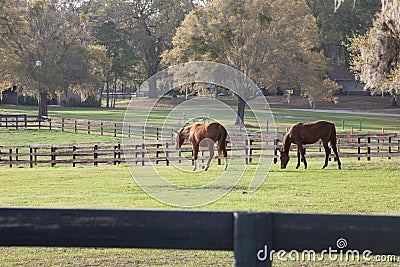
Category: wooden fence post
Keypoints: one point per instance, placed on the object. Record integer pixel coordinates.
(276, 148)
(31, 157)
(95, 155)
(368, 148)
(167, 154)
(157, 152)
(359, 148)
(115, 129)
(73, 156)
(53, 156)
(250, 150)
(117, 154)
(390, 147)
(252, 239)
(88, 127)
(62, 124)
(10, 157)
(143, 147)
(246, 151)
(75, 126)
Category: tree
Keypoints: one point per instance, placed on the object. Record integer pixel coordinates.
(275, 43)
(120, 56)
(375, 56)
(151, 24)
(50, 31)
(336, 26)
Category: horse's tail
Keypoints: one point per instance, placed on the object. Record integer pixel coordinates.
(222, 142)
(332, 138)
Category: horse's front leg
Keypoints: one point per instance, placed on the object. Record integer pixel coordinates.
(195, 149)
(303, 154)
(298, 158)
(327, 153)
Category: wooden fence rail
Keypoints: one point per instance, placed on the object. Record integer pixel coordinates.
(95, 127)
(112, 153)
(252, 236)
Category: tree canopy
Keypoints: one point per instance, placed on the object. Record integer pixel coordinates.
(88, 46)
(275, 43)
(375, 56)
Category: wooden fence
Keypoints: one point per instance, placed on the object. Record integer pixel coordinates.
(152, 146)
(252, 236)
(363, 146)
(95, 127)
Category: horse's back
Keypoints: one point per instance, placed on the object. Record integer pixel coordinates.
(210, 130)
(311, 132)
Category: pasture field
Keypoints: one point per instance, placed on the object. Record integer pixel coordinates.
(361, 187)
(283, 117)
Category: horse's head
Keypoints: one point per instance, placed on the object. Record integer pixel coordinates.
(179, 139)
(284, 158)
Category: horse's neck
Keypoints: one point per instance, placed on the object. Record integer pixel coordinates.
(287, 141)
(185, 134)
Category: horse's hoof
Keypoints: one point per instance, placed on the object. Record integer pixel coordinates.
(205, 169)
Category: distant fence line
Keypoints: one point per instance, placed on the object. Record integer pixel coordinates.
(96, 127)
(358, 146)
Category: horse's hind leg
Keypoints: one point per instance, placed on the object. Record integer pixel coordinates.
(225, 153)
(334, 148)
(211, 149)
(303, 154)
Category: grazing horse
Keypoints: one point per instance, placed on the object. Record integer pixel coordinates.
(309, 133)
(204, 135)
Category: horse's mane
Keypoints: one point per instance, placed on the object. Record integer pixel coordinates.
(286, 142)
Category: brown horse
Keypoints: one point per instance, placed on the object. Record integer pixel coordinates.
(309, 133)
(204, 135)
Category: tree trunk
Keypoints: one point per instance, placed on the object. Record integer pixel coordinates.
(42, 104)
(107, 93)
(114, 93)
(394, 101)
(152, 88)
(240, 111)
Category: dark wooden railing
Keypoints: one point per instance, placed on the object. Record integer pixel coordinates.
(252, 236)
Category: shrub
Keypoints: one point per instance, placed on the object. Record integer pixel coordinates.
(91, 102)
(27, 100)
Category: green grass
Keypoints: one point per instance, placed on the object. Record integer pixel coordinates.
(283, 117)
(23, 137)
(361, 187)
